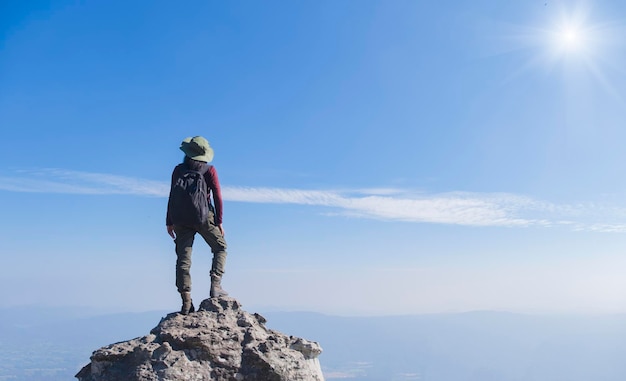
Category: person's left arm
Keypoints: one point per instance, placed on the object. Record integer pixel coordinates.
(214, 184)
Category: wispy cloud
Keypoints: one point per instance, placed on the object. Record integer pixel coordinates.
(456, 208)
(449, 208)
(54, 180)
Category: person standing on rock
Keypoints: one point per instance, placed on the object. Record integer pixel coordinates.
(190, 211)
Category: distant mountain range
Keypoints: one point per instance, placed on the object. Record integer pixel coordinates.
(45, 344)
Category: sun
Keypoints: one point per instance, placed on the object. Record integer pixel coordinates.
(570, 39)
(577, 45)
(568, 36)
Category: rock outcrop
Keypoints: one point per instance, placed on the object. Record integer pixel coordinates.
(220, 342)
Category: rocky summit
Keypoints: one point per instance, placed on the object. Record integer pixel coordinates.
(220, 342)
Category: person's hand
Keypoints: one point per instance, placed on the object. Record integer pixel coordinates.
(170, 231)
(221, 229)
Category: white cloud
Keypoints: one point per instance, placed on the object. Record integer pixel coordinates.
(457, 208)
(76, 182)
(447, 208)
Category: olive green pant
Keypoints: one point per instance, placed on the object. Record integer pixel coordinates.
(184, 241)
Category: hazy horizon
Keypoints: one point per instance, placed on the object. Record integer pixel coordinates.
(441, 347)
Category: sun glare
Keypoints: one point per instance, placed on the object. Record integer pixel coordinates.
(570, 39)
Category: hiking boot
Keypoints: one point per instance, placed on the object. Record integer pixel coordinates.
(187, 303)
(216, 287)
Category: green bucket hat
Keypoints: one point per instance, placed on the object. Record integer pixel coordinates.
(197, 148)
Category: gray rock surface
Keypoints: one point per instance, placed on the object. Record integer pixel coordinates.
(220, 342)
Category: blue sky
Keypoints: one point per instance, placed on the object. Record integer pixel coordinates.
(376, 157)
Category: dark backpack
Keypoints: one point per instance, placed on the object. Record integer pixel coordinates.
(189, 202)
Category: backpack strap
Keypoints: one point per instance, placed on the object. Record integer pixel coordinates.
(203, 170)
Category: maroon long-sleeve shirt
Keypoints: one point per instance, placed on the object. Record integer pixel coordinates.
(213, 185)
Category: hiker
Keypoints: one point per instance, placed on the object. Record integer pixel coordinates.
(189, 211)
